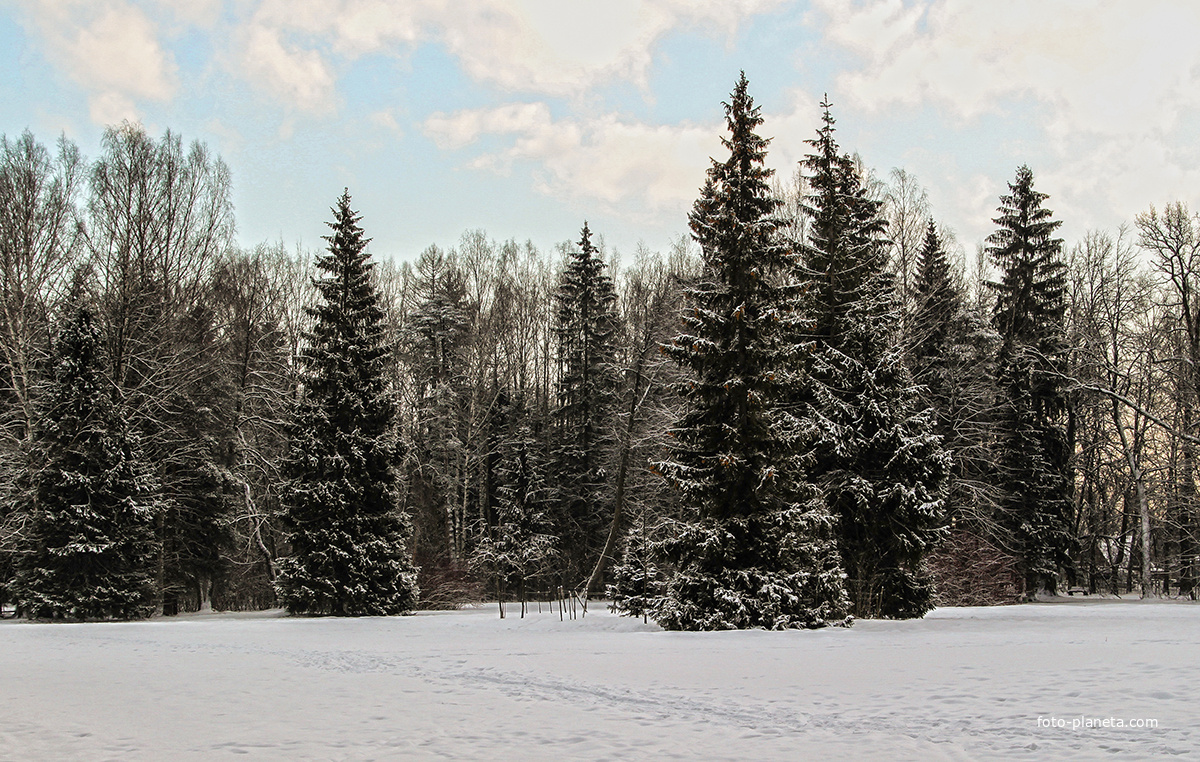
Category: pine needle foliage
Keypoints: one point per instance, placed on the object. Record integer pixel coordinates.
(518, 546)
(348, 535)
(938, 305)
(1035, 453)
(586, 326)
(881, 465)
(95, 499)
(754, 546)
(846, 249)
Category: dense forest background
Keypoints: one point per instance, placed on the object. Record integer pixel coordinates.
(1044, 392)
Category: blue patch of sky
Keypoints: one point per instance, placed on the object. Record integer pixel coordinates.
(194, 53)
(693, 69)
(425, 80)
(25, 79)
(14, 78)
(12, 50)
(781, 51)
(408, 175)
(690, 75)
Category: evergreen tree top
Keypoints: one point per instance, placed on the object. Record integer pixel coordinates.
(747, 149)
(347, 288)
(933, 267)
(347, 233)
(585, 241)
(733, 218)
(846, 252)
(584, 279)
(80, 385)
(78, 343)
(1030, 297)
(1024, 225)
(824, 145)
(345, 258)
(846, 221)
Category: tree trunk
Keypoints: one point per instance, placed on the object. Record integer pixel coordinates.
(1187, 514)
(1139, 485)
(614, 529)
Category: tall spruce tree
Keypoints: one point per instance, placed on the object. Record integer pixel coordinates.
(846, 251)
(951, 356)
(1034, 450)
(95, 499)
(882, 467)
(348, 534)
(586, 329)
(435, 342)
(755, 545)
(937, 309)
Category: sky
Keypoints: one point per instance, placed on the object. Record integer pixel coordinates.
(524, 118)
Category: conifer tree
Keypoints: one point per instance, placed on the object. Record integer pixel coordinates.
(435, 341)
(1034, 452)
(348, 535)
(882, 467)
(196, 534)
(952, 356)
(518, 546)
(637, 581)
(846, 250)
(938, 305)
(586, 328)
(754, 546)
(95, 499)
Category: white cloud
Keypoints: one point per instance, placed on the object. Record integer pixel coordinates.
(1110, 87)
(464, 127)
(540, 46)
(293, 74)
(1104, 66)
(626, 166)
(630, 168)
(386, 118)
(110, 48)
(789, 129)
(111, 108)
(557, 48)
(193, 12)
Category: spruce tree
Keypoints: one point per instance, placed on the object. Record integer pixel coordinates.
(882, 466)
(846, 249)
(638, 583)
(754, 546)
(348, 534)
(1034, 450)
(435, 341)
(938, 337)
(196, 532)
(952, 356)
(518, 545)
(586, 327)
(91, 537)
(937, 310)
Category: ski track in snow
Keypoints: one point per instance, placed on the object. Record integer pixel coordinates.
(962, 684)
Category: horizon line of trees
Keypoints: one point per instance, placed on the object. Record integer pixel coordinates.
(809, 411)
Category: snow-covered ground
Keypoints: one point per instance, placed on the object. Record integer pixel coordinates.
(960, 684)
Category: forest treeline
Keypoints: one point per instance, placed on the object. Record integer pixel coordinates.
(816, 406)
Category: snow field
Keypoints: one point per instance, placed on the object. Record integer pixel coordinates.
(962, 684)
